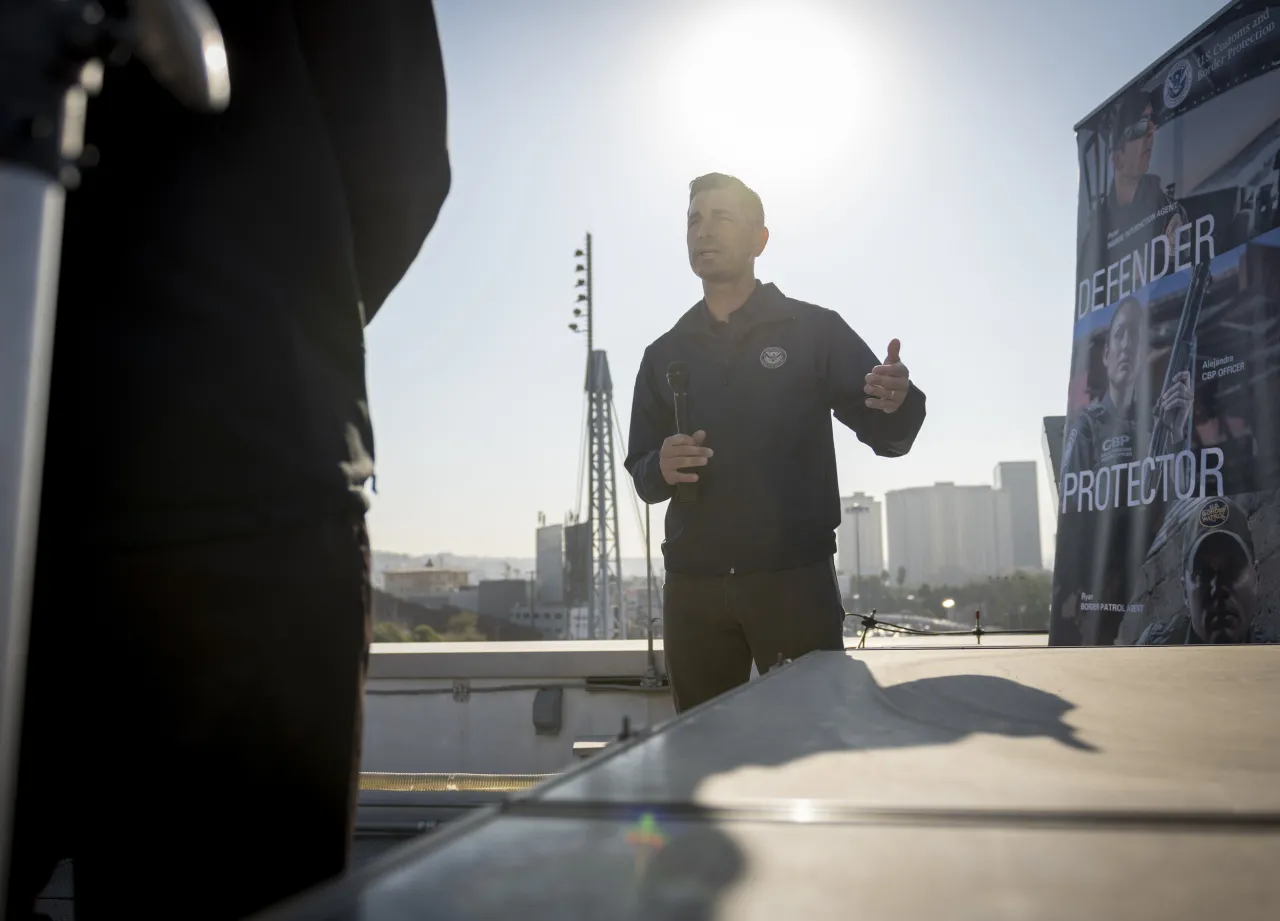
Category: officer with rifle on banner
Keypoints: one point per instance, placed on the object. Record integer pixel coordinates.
(1106, 546)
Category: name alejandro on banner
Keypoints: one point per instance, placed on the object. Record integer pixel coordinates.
(1100, 490)
(1192, 244)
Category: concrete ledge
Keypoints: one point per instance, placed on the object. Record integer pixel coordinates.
(553, 659)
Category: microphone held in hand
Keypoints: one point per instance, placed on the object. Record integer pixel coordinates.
(678, 378)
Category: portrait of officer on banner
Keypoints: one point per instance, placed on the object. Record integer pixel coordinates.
(1220, 583)
(1102, 540)
(1115, 428)
(1135, 205)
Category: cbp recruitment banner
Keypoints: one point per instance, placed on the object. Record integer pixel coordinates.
(1169, 490)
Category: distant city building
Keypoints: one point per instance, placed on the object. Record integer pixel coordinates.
(948, 535)
(1002, 530)
(562, 584)
(1018, 481)
(944, 534)
(554, 622)
(499, 597)
(550, 564)
(863, 549)
(410, 584)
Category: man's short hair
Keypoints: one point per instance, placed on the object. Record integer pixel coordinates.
(725, 181)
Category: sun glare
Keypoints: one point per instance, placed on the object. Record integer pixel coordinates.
(763, 91)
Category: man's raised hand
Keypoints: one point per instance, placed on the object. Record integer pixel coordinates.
(887, 384)
(681, 451)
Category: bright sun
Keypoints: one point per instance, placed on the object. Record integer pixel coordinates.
(766, 91)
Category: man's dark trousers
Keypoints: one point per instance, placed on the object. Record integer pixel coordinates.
(191, 735)
(715, 626)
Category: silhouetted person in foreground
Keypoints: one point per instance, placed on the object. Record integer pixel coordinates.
(201, 614)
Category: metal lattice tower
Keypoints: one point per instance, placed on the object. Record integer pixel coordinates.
(604, 605)
(606, 563)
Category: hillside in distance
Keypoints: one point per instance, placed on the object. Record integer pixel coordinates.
(487, 567)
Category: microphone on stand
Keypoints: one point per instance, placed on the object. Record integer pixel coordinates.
(678, 378)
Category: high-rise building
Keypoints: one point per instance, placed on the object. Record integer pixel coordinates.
(1017, 481)
(860, 550)
(946, 534)
(949, 534)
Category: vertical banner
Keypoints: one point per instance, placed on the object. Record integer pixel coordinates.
(1169, 488)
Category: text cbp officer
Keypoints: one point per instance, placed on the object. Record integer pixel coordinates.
(749, 564)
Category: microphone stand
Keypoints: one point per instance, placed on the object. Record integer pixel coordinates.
(651, 680)
(52, 55)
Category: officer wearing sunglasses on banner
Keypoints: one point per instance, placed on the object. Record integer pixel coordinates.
(749, 563)
(1134, 194)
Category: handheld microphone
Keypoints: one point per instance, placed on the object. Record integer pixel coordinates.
(678, 378)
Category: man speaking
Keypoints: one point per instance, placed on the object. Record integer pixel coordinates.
(750, 530)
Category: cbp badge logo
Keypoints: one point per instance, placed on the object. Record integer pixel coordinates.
(1177, 86)
(1215, 513)
(773, 357)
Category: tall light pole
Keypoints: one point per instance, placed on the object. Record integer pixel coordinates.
(856, 511)
(582, 324)
(582, 315)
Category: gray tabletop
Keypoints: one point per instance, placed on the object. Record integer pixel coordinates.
(894, 784)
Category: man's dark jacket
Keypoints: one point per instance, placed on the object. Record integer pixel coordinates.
(219, 270)
(763, 386)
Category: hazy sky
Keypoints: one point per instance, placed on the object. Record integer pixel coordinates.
(918, 169)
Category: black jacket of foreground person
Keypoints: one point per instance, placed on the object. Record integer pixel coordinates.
(219, 271)
(202, 584)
